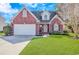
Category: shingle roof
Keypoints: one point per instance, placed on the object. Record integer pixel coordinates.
(38, 15)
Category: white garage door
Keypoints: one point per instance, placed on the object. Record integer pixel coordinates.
(24, 29)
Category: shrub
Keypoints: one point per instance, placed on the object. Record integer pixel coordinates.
(1, 31)
(55, 33)
(59, 33)
(70, 27)
(7, 30)
(65, 32)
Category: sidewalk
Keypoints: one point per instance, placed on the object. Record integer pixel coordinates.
(7, 48)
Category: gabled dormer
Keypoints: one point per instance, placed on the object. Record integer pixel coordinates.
(45, 15)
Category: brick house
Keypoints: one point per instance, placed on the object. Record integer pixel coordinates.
(28, 22)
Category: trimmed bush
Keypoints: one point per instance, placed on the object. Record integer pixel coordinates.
(55, 33)
(59, 33)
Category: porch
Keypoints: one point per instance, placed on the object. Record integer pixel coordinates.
(48, 28)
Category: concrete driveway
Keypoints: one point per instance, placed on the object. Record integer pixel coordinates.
(13, 45)
(17, 38)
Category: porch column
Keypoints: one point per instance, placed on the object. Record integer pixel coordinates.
(61, 28)
(37, 29)
(50, 28)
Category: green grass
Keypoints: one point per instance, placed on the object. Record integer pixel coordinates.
(1, 33)
(52, 45)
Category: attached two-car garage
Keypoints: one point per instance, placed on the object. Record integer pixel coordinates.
(24, 29)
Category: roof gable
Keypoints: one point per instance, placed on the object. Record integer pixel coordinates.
(38, 15)
(45, 12)
(56, 16)
(21, 15)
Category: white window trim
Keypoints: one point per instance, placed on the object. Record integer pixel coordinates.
(47, 14)
(56, 27)
(45, 17)
(56, 16)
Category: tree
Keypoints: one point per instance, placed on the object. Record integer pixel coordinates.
(71, 13)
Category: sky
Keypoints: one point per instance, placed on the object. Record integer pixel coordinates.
(9, 10)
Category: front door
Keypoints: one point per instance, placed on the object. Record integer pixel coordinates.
(45, 28)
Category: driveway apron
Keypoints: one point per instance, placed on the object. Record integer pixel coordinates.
(13, 45)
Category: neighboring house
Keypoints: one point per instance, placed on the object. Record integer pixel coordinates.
(2, 23)
(28, 22)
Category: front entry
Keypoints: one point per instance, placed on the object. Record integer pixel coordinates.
(44, 29)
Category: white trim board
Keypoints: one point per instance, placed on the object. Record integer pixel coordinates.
(56, 16)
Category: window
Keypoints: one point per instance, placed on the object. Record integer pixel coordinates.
(45, 17)
(24, 13)
(56, 27)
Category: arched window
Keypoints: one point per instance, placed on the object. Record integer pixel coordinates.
(24, 14)
(56, 27)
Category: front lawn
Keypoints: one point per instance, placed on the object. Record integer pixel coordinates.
(2, 33)
(52, 45)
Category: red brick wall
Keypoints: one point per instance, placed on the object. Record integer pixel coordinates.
(56, 20)
(27, 20)
(21, 20)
